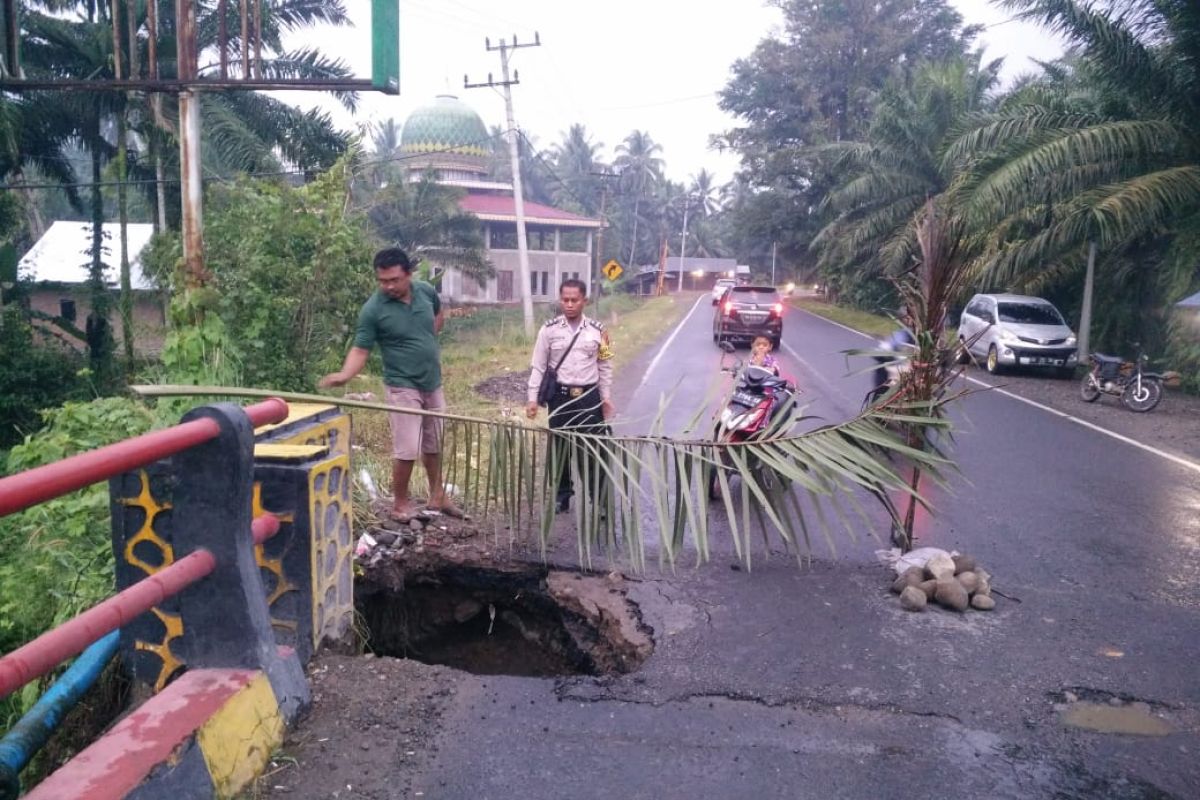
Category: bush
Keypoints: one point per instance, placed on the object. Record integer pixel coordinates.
(290, 269)
(32, 377)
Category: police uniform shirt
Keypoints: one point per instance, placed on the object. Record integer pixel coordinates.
(587, 364)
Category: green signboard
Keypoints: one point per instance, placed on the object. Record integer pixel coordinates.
(385, 45)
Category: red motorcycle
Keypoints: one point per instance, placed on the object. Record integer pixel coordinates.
(758, 406)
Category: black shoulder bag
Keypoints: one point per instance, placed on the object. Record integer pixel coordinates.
(549, 386)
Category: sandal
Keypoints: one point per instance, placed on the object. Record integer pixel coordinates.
(405, 517)
(451, 511)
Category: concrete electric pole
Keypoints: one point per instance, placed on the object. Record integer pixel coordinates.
(518, 192)
(687, 204)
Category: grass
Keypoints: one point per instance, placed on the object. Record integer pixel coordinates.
(876, 325)
(491, 341)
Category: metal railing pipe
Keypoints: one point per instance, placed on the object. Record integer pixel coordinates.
(37, 485)
(26, 738)
(35, 659)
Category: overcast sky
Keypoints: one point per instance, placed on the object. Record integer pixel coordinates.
(653, 65)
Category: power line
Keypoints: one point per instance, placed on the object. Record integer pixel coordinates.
(225, 179)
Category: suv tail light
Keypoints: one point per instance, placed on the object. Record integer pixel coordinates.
(777, 310)
(728, 307)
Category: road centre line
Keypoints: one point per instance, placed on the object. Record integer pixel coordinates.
(1180, 460)
(671, 338)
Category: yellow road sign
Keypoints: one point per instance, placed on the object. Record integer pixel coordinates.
(612, 270)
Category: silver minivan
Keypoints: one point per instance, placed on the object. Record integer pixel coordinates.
(1009, 330)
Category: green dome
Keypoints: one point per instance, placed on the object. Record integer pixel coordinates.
(447, 125)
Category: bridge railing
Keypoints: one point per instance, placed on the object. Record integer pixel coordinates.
(213, 574)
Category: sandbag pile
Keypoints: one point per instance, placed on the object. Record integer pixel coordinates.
(954, 581)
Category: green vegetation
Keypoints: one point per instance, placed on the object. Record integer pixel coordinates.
(1099, 149)
(56, 558)
(873, 324)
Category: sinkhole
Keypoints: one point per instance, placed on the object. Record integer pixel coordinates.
(522, 620)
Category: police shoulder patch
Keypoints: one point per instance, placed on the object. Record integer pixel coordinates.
(597, 324)
(553, 321)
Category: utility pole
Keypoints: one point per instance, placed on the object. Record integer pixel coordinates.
(773, 248)
(518, 192)
(604, 178)
(687, 204)
(1085, 322)
(191, 188)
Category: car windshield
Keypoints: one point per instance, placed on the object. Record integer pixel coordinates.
(754, 294)
(1030, 314)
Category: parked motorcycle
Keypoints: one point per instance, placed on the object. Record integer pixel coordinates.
(756, 407)
(1139, 390)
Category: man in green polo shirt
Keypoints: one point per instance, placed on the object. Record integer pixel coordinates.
(404, 317)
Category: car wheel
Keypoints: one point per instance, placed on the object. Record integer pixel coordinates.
(993, 361)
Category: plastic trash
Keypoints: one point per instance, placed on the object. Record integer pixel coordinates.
(366, 543)
(368, 483)
(903, 562)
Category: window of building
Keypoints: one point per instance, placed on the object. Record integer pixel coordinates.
(504, 237)
(573, 242)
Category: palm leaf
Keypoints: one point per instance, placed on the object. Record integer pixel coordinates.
(506, 459)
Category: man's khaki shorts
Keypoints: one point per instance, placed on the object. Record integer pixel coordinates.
(413, 434)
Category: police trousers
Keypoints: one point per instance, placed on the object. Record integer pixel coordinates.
(576, 408)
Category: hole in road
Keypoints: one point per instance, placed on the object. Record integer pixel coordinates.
(526, 622)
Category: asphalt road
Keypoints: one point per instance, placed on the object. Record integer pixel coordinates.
(811, 682)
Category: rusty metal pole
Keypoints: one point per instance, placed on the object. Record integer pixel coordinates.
(223, 36)
(189, 146)
(258, 38)
(245, 38)
(116, 38)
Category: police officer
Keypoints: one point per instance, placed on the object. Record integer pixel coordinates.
(583, 399)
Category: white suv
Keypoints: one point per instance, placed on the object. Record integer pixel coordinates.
(719, 288)
(1009, 330)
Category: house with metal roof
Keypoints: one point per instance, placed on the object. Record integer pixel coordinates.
(690, 272)
(58, 268)
(448, 138)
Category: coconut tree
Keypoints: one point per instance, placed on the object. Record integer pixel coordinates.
(705, 193)
(640, 166)
(576, 159)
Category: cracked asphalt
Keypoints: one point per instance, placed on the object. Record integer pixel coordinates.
(811, 682)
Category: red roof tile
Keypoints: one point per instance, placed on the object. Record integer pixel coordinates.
(493, 206)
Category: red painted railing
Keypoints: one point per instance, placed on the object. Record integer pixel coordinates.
(18, 492)
(34, 486)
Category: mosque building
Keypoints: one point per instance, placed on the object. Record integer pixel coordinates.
(448, 138)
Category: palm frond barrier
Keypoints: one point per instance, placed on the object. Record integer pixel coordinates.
(629, 487)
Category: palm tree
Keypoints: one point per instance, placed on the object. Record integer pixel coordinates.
(385, 138)
(705, 194)
(535, 172)
(1066, 169)
(640, 167)
(575, 160)
(886, 179)
(424, 218)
